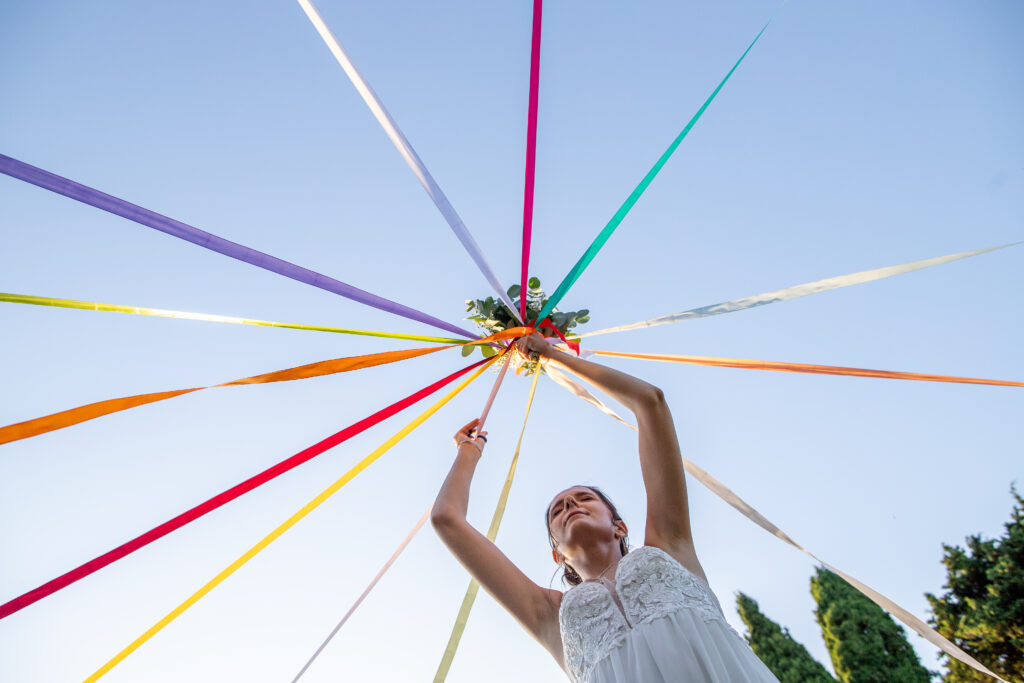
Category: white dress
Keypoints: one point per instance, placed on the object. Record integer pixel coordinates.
(670, 628)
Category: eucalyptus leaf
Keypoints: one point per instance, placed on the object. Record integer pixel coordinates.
(488, 351)
(467, 350)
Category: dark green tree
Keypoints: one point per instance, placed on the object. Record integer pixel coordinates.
(865, 644)
(788, 660)
(982, 609)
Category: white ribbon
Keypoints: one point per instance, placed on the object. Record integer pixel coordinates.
(408, 153)
(373, 583)
(748, 511)
(796, 291)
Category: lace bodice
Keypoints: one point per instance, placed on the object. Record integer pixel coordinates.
(649, 584)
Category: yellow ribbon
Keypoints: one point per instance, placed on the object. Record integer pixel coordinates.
(207, 317)
(492, 533)
(285, 526)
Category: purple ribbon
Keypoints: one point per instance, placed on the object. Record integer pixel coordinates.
(87, 195)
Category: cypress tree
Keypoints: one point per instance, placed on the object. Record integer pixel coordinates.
(982, 609)
(865, 644)
(788, 659)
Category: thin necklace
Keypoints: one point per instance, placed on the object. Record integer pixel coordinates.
(600, 576)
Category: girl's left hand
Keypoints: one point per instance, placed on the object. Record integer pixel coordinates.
(468, 434)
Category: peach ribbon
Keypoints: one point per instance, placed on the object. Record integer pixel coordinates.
(748, 364)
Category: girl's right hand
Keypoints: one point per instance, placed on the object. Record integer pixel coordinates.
(533, 346)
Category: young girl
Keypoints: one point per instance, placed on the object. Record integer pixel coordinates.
(640, 616)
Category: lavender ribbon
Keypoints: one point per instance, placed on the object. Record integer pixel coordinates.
(87, 195)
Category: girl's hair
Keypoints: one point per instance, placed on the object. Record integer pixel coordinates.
(569, 574)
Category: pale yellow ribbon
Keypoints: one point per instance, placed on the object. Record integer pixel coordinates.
(207, 317)
(492, 534)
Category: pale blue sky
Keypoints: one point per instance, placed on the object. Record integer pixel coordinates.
(855, 135)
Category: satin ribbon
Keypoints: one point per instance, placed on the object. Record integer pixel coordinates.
(283, 527)
(409, 537)
(796, 291)
(531, 152)
(492, 533)
(608, 229)
(208, 317)
(917, 625)
(572, 345)
(151, 219)
(494, 392)
(387, 565)
(563, 380)
(748, 511)
(224, 497)
(747, 364)
(67, 418)
(404, 148)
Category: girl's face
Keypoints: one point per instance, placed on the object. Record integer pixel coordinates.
(578, 517)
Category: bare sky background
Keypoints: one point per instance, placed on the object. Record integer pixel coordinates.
(854, 136)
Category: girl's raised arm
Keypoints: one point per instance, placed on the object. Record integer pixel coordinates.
(534, 607)
(661, 463)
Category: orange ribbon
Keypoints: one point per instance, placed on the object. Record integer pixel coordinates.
(66, 418)
(804, 367)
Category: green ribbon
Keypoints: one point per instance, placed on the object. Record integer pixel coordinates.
(599, 242)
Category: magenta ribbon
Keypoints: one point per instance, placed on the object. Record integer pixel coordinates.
(531, 152)
(119, 207)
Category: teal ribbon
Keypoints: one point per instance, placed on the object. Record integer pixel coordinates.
(606, 233)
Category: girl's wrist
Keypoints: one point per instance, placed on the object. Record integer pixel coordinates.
(475, 447)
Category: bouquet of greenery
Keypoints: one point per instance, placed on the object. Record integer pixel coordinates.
(493, 316)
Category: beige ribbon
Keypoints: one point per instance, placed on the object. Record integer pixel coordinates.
(563, 380)
(725, 493)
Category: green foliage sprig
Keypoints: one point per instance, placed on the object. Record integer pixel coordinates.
(493, 315)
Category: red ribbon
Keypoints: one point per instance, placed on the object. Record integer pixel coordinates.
(220, 499)
(572, 345)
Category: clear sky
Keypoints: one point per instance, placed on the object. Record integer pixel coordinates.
(854, 136)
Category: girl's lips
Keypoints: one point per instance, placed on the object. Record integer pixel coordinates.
(572, 514)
